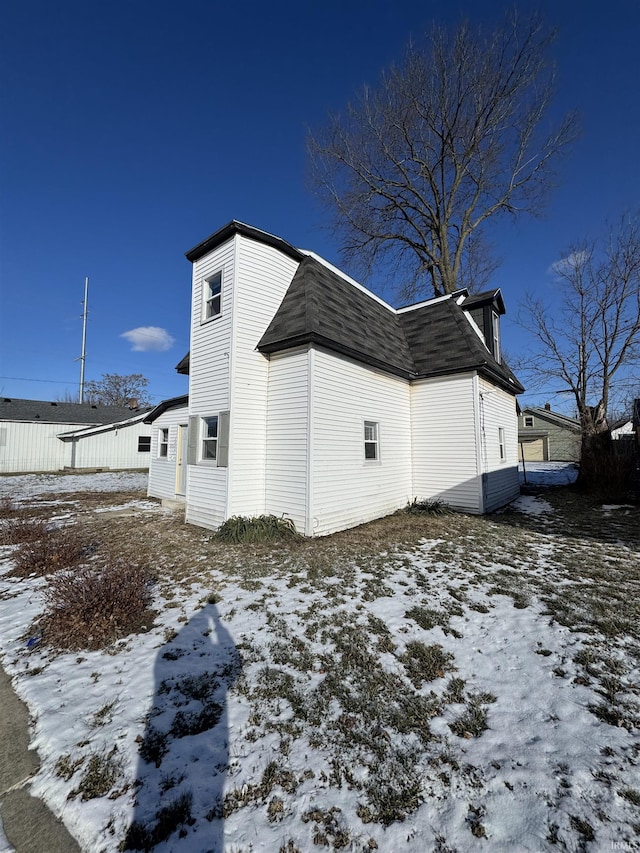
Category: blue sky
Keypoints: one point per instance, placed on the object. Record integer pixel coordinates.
(132, 130)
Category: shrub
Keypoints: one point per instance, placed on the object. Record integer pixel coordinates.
(23, 530)
(426, 507)
(44, 552)
(93, 605)
(261, 528)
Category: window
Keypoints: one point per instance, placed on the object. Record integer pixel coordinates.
(212, 296)
(496, 336)
(371, 451)
(528, 420)
(210, 438)
(163, 443)
(144, 444)
(501, 445)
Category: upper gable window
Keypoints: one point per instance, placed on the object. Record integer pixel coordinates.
(495, 319)
(212, 297)
(528, 420)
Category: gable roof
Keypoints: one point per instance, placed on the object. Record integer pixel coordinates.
(432, 339)
(84, 431)
(165, 405)
(553, 417)
(12, 409)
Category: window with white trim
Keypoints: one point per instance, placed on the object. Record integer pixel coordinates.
(163, 442)
(371, 441)
(496, 335)
(144, 443)
(528, 420)
(209, 439)
(212, 296)
(501, 445)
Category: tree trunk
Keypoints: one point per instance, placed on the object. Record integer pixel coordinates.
(597, 460)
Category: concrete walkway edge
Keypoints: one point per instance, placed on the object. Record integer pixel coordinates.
(28, 824)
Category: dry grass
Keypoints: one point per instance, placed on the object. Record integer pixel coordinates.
(580, 561)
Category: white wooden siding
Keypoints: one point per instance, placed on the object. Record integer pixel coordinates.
(287, 437)
(209, 382)
(113, 448)
(162, 471)
(500, 477)
(444, 442)
(263, 277)
(26, 446)
(346, 489)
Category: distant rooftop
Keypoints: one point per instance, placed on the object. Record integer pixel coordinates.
(14, 409)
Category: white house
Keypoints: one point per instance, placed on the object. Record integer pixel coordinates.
(312, 398)
(37, 435)
(169, 449)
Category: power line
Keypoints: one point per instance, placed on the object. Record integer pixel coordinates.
(54, 381)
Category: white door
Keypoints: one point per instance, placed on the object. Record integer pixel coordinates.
(181, 466)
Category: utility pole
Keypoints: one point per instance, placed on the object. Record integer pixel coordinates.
(84, 339)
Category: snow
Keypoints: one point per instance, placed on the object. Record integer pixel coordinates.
(534, 767)
(547, 473)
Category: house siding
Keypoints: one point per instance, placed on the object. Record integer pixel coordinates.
(346, 489)
(500, 477)
(263, 277)
(288, 437)
(209, 382)
(561, 443)
(113, 448)
(163, 471)
(445, 457)
(26, 447)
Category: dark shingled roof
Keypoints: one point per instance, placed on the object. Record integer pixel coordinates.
(321, 307)
(234, 227)
(12, 409)
(434, 339)
(165, 405)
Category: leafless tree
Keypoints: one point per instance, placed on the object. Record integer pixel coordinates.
(117, 390)
(594, 337)
(456, 134)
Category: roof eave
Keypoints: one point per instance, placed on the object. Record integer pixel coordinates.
(234, 227)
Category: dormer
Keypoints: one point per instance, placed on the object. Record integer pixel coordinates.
(485, 310)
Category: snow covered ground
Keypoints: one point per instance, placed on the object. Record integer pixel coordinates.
(454, 692)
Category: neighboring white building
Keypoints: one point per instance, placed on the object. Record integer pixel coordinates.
(169, 448)
(311, 398)
(37, 435)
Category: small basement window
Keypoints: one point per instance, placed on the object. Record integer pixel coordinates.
(212, 296)
(163, 442)
(144, 444)
(371, 449)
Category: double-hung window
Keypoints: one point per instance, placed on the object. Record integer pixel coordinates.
(371, 441)
(528, 420)
(501, 445)
(144, 443)
(163, 442)
(210, 438)
(212, 306)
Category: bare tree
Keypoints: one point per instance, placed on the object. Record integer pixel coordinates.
(116, 390)
(454, 135)
(595, 335)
